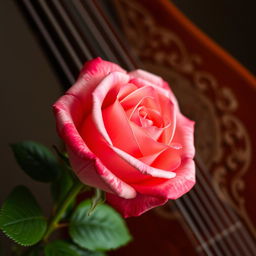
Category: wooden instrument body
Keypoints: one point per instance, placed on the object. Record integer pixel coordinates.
(213, 89)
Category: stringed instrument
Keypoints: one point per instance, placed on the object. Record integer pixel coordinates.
(218, 216)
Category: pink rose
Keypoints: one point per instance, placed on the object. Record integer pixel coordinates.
(125, 135)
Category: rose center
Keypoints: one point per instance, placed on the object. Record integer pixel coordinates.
(144, 118)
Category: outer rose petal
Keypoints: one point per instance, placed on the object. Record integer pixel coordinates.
(136, 206)
(172, 188)
(99, 67)
(156, 192)
(154, 79)
(90, 76)
(95, 174)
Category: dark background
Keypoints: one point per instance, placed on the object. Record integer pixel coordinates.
(231, 23)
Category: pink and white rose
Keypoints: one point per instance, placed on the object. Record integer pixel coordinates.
(125, 134)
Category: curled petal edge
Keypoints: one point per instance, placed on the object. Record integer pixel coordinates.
(135, 207)
(142, 167)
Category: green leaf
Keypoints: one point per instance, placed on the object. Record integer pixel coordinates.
(61, 186)
(21, 218)
(36, 160)
(59, 248)
(103, 230)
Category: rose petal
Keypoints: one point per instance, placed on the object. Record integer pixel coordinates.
(90, 76)
(155, 132)
(126, 90)
(117, 186)
(114, 79)
(168, 104)
(142, 83)
(157, 194)
(136, 96)
(167, 159)
(172, 188)
(134, 207)
(99, 67)
(146, 144)
(133, 113)
(152, 78)
(149, 159)
(184, 135)
(119, 130)
(68, 109)
(168, 112)
(143, 168)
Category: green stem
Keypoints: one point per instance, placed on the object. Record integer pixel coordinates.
(75, 189)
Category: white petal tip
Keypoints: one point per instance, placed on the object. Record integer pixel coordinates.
(170, 175)
(163, 174)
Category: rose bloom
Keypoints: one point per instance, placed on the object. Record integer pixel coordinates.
(125, 134)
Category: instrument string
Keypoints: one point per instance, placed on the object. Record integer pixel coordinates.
(205, 229)
(88, 54)
(89, 22)
(51, 44)
(197, 207)
(194, 228)
(115, 42)
(61, 34)
(222, 230)
(73, 30)
(242, 237)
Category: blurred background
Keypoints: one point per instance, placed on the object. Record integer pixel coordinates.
(29, 85)
(230, 23)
